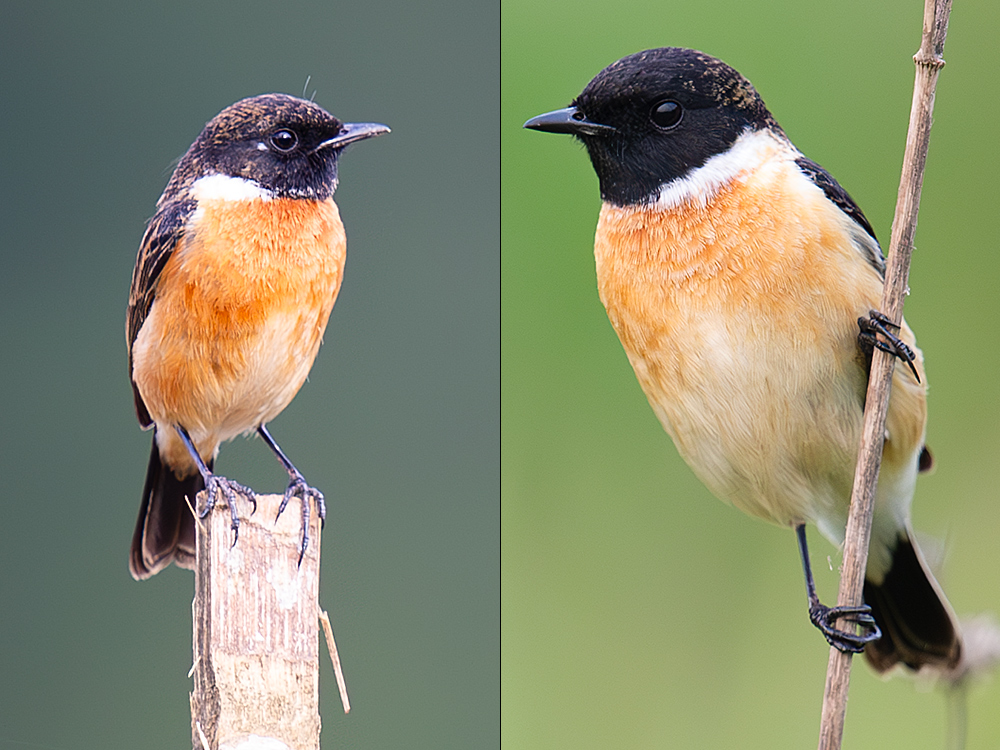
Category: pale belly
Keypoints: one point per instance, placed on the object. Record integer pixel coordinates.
(221, 385)
(235, 326)
(748, 353)
(768, 419)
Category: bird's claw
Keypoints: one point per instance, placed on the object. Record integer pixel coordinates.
(825, 619)
(230, 490)
(877, 331)
(297, 487)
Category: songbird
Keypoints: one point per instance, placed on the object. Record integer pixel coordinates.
(233, 285)
(743, 283)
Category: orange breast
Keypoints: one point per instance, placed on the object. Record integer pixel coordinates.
(239, 314)
(740, 320)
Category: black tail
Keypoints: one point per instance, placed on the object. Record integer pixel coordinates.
(164, 532)
(918, 626)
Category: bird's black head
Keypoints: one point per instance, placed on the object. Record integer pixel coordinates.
(652, 117)
(286, 145)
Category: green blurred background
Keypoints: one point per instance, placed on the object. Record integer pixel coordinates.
(398, 423)
(638, 611)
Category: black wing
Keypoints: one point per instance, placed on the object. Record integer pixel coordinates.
(162, 235)
(842, 200)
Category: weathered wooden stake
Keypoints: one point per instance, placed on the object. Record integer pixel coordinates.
(256, 635)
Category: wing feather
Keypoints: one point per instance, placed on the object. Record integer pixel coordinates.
(162, 234)
(842, 200)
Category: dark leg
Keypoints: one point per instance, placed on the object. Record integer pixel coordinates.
(877, 324)
(297, 487)
(215, 484)
(825, 618)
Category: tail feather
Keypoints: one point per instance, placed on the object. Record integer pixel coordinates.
(164, 531)
(918, 626)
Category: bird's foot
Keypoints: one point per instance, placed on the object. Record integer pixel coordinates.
(825, 619)
(878, 332)
(297, 487)
(215, 486)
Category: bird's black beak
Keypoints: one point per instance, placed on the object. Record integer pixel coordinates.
(351, 132)
(570, 120)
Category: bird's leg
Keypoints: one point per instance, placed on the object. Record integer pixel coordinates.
(297, 487)
(214, 484)
(825, 618)
(876, 325)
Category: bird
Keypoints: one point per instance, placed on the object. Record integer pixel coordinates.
(235, 278)
(743, 282)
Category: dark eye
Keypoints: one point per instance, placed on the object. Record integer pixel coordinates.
(666, 114)
(284, 140)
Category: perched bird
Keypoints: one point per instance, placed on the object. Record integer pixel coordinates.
(742, 281)
(234, 283)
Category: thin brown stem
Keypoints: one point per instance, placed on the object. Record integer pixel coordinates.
(929, 62)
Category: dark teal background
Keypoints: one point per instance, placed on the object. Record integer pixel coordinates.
(639, 611)
(398, 423)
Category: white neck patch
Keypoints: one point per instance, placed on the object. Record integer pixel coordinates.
(221, 187)
(750, 150)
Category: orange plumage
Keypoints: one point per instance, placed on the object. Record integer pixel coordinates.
(233, 285)
(239, 315)
(743, 282)
(756, 379)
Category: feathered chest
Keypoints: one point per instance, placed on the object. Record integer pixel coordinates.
(739, 317)
(766, 262)
(251, 258)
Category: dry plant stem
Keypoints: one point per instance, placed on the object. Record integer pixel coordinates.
(338, 672)
(929, 62)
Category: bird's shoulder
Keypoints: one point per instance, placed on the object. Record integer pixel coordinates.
(837, 195)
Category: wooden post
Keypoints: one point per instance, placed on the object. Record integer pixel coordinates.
(929, 62)
(256, 635)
